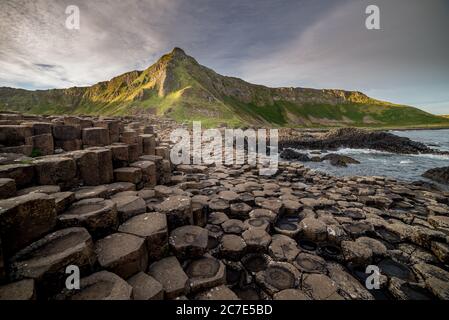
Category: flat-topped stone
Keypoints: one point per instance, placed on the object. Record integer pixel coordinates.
(7, 188)
(50, 189)
(20, 290)
(205, 272)
(283, 248)
(232, 247)
(178, 209)
(91, 192)
(278, 276)
(122, 253)
(128, 174)
(233, 226)
(153, 228)
(102, 285)
(46, 260)
(129, 206)
(169, 273)
(25, 219)
(188, 241)
(145, 287)
(97, 215)
(217, 293)
(256, 240)
(54, 170)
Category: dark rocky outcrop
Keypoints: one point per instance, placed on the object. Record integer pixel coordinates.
(339, 160)
(357, 138)
(290, 154)
(440, 175)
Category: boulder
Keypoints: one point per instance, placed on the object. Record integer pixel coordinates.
(153, 228)
(290, 154)
(98, 216)
(169, 273)
(25, 219)
(123, 254)
(440, 175)
(188, 241)
(145, 287)
(339, 160)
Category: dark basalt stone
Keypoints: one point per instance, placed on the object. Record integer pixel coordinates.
(392, 268)
(308, 245)
(255, 262)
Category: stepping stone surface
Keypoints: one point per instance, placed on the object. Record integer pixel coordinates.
(123, 254)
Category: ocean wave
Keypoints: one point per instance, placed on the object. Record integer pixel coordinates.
(406, 162)
(431, 156)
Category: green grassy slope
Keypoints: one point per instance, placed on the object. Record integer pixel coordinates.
(178, 87)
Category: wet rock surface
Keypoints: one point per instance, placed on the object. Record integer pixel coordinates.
(109, 201)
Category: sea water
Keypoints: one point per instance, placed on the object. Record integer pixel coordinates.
(398, 166)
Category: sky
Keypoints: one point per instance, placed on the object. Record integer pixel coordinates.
(294, 43)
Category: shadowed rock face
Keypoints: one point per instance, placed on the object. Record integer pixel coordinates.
(440, 175)
(357, 138)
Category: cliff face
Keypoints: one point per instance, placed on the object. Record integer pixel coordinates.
(178, 86)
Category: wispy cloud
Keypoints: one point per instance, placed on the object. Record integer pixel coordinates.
(307, 43)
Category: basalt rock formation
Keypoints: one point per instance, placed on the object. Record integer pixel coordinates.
(139, 227)
(354, 138)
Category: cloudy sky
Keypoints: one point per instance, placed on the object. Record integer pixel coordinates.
(305, 43)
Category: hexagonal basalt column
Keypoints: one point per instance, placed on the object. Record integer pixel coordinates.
(123, 254)
(46, 260)
(98, 216)
(188, 241)
(25, 219)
